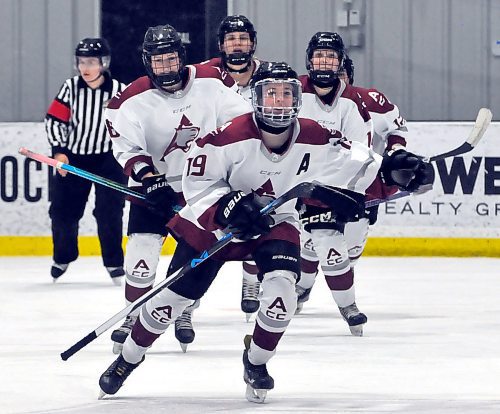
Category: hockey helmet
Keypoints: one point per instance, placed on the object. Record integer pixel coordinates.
(159, 40)
(232, 24)
(324, 77)
(94, 47)
(276, 94)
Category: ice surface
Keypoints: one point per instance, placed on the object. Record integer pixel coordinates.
(431, 345)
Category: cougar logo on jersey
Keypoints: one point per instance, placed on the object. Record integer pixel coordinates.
(266, 189)
(184, 135)
(111, 131)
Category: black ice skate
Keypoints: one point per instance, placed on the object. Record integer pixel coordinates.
(257, 379)
(119, 335)
(250, 298)
(116, 274)
(57, 270)
(302, 297)
(113, 378)
(184, 331)
(354, 318)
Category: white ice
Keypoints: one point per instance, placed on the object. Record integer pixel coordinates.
(431, 345)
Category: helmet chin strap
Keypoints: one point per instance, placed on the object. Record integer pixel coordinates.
(98, 77)
(269, 128)
(242, 70)
(332, 84)
(246, 68)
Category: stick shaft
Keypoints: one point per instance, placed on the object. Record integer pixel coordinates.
(301, 190)
(81, 173)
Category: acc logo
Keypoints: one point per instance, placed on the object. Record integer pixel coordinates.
(184, 135)
(162, 314)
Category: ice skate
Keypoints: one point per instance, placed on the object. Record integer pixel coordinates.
(113, 378)
(116, 274)
(184, 331)
(57, 270)
(302, 297)
(256, 377)
(249, 298)
(354, 318)
(119, 335)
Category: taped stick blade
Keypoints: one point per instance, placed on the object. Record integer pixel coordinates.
(483, 120)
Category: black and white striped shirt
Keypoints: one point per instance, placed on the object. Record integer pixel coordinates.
(75, 120)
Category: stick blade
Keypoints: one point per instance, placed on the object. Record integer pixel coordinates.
(483, 120)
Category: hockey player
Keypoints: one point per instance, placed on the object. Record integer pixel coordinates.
(237, 41)
(228, 175)
(77, 134)
(153, 124)
(337, 249)
(334, 105)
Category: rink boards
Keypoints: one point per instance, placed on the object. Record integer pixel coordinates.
(459, 217)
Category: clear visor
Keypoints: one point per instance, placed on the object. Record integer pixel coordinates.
(277, 101)
(91, 62)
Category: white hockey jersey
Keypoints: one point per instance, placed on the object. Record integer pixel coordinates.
(347, 113)
(389, 126)
(235, 158)
(244, 91)
(157, 128)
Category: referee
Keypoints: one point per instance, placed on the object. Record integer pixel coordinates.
(76, 131)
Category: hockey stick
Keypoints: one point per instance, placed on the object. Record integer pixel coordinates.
(481, 124)
(303, 190)
(81, 173)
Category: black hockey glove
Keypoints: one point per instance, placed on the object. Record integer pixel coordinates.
(346, 205)
(159, 195)
(240, 214)
(408, 171)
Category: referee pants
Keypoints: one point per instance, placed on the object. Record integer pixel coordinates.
(69, 195)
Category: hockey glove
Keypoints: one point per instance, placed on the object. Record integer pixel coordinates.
(346, 205)
(159, 195)
(240, 214)
(408, 171)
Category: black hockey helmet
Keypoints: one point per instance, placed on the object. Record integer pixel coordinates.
(348, 68)
(275, 73)
(324, 40)
(237, 23)
(94, 47)
(159, 40)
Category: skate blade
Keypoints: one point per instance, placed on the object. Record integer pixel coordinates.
(255, 395)
(248, 316)
(356, 330)
(300, 306)
(184, 347)
(102, 395)
(117, 281)
(117, 348)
